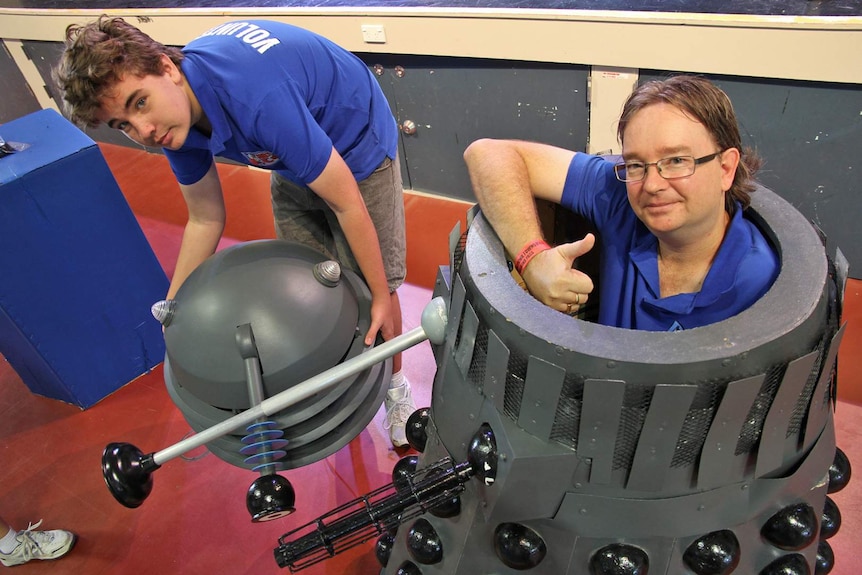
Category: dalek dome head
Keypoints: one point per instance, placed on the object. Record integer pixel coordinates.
(306, 315)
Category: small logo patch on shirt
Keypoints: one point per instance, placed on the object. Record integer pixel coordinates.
(676, 327)
(261, 159)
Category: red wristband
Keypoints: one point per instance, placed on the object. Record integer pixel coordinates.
(528, 252)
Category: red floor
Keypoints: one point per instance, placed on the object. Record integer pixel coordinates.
(195, 521)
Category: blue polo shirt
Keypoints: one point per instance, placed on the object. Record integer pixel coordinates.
(743, 270)
(280, 98)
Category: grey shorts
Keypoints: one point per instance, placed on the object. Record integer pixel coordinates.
(302, 216)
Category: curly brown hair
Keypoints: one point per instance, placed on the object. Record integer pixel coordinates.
(99, 54)
(709, 105)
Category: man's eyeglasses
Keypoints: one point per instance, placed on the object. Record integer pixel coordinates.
(668, 168)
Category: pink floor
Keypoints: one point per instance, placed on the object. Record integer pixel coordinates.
(195, 521)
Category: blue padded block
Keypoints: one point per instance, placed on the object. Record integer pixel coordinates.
(77, 275)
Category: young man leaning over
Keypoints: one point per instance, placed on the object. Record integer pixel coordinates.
(277, 97)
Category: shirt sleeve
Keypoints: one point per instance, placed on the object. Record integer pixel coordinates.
(592, 191)
(760, 264)
(189, 165)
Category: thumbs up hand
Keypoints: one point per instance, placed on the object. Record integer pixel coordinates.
(551, 280)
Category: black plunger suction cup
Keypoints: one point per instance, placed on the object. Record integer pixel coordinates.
(128, 473)
(270, 497)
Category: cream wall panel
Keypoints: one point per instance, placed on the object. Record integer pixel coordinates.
(801, 48)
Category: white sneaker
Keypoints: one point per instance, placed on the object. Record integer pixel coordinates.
(38, 545)
(399, 406)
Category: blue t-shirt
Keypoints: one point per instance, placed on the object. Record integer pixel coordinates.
(280, 97)
(743, 270)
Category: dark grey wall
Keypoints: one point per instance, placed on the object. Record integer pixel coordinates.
(16, 98)
(454, 101)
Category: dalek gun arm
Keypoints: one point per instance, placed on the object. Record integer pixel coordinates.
(380, 512)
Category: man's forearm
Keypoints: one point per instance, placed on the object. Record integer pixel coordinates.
(362, 238)
(199, 242)
(501, 184)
